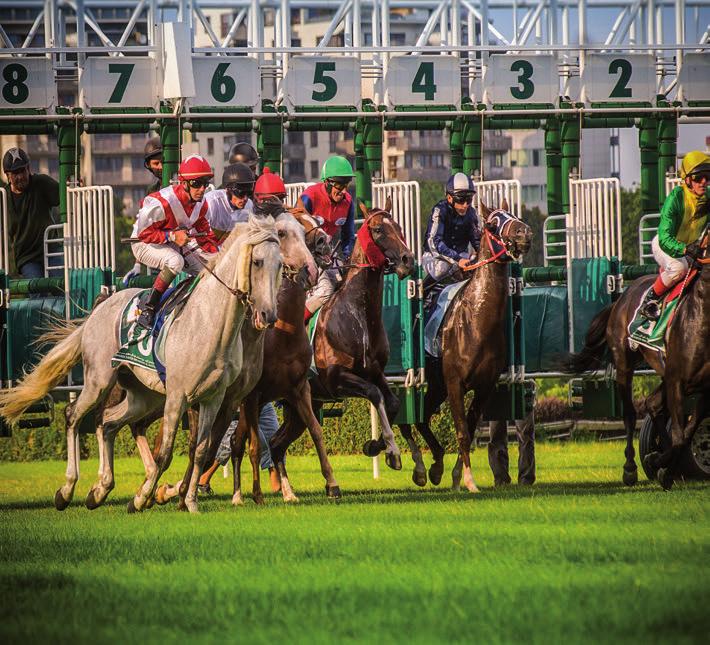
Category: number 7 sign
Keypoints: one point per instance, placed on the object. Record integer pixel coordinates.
(119, 83)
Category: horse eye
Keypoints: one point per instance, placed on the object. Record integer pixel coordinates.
(376, 229)
(282, 233)
(258, 263)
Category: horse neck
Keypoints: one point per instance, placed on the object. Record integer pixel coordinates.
(291, 302)
(364, 282)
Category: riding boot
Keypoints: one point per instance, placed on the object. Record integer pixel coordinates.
(650, 306)
(147, 316)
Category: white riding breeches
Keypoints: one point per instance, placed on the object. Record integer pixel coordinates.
(159, 256)
(672, 269)
(437, 268)
(324, 289)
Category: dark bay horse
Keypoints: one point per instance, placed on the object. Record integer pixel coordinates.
(351, 346)
(473, 346)
(685, 371)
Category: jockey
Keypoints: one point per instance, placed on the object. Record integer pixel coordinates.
(153, 162)
(683, 218)
(331, 201)
(244, 153)
(232, 203)
(269, 194)
(163, 225)
(453, 226)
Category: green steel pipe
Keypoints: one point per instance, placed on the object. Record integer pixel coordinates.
(456, 146)
(372, 139)
(553, 154)
(235, 125)
(472, 139)
(648, 145)
(69, 154)
(667, 151)
(570, 139)
(559, 273)
(312, 125)
(512, 123)
(171, 138)
(401, 123)
(26, 286)
(363, 188)
(608, 122)
(270, 138)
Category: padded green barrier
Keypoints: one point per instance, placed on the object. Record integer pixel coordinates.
(546, 324)
(85, 285)
(398, 321)
(589, 289)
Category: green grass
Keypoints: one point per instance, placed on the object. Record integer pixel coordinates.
(576, 558)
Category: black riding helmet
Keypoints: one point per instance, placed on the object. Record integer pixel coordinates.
(15, 159)
(239, 177)
(244, 153)
(153, 148)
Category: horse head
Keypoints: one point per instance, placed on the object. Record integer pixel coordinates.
(506, 229)
(299, 264)
(317, 240)
(261, 258)
(387, 236)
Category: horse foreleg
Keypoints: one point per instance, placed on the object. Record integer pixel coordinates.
(463, 436)
(624, 388)
(291, 429)
(249, 420)
(419, 473)
(100, 491)
(238, 444)
(302, 404)
(669, 459)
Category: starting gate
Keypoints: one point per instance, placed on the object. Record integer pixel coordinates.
(493, 192)
(648, 225)
(294, 191)
(4, 250)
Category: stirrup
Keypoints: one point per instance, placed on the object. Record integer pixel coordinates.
(146, 318)
(651, 310)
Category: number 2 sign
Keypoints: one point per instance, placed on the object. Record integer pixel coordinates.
(615, 78)
(119, 83)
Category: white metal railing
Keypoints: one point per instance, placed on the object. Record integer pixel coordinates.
(554, 249)
(54, 250)
(594, 221)
(406, 210)
(88, 232)
(294, 191)
(649, 223)
(493, 192)
(4, 233)
(671, 182)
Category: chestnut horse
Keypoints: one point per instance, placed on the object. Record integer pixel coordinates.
(473, 346)
(686, 369)
(351, 346)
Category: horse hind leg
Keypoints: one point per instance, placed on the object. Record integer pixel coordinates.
(419, 472)
(624, 388)
(436, 470)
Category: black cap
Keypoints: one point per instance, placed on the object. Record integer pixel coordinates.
(15, 159)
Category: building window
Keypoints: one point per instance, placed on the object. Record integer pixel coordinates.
(314, 139)
(210, 146)
(499, 160)
(295, 138)
(314, 170)
(333, 136)
(108, 164)
(397, 39)
(296, 170)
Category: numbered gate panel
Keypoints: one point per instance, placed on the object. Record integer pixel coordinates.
(694, 79)
(127, 82)
(323, 80)
(226, 81)
(612, 78)
(521, 79)
(27, 83)
(423, 80)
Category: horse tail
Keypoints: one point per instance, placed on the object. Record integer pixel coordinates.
(48, 373)
(592, 354)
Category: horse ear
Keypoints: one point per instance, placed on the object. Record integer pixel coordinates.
(485, 211)
(363, 209)
(504, 205)
(388, 204)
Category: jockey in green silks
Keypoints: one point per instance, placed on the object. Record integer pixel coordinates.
(683, 218)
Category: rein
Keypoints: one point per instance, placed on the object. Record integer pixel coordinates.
(492, 258)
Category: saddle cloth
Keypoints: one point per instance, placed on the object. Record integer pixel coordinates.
(146, 347)
(652, 333)
(432, 326)
(312, 323)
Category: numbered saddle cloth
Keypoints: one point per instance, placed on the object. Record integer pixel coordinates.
(652, 333)
(432, 326)
(312, 323)
(146, 347)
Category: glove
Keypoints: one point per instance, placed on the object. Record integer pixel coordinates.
(135, 271)
(693, 251)
(178, 236)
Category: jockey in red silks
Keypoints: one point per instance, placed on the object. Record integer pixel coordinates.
(330, 201)
(164, 224)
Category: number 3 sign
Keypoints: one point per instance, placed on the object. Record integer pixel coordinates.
(521, 79)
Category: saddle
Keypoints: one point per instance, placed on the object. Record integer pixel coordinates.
(145, 347)
(652, 334)
(436, 304)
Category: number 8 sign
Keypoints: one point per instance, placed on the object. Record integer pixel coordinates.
(521, 79)
(26, 83)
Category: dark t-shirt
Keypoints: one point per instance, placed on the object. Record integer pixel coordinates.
(29, 214)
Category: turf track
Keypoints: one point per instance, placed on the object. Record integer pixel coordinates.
(576, 558)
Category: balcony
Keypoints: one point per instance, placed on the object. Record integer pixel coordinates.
(497, 143)
(496, 172)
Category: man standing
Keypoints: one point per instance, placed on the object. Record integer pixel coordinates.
(30, 201)
(498, 451)
(153, 162)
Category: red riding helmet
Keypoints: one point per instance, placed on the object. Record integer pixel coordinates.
(194, 167)
(269, 183)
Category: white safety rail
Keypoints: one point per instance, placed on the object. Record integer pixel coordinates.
(554, 249)
(4, 233)
(294, 191)
(406, 210)
(88, 232)
(493, 192)
(594, 220)
(54, 250)
(648, 224)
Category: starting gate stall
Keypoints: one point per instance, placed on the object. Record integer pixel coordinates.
(648, 225)
(295, 190)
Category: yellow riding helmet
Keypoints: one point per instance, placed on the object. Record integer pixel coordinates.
(694, 161)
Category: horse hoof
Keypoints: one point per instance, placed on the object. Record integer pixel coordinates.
(150, 502)
(630, 477)
(665, 478)
(159, 497)
(371, 448)
(333, 492)
(92, 502)
(237, 500)
(419, 477)
(650, 461)
(59, 502)
(436, 472)
(291, 499)
(394, 461)
(259, 499)
(182, 505)
(192, 507)
(131, 508)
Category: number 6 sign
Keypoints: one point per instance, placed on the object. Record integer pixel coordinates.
(226, 81)
(320, 80)
(521, 79)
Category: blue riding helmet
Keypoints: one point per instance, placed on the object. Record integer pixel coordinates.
(460, 184)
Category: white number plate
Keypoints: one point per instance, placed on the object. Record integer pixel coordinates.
(226, 81)
(27, 83)
(320, 80)
(423, 80)
(695, 78)
(521, 79)
(619, 78)
(119, 82)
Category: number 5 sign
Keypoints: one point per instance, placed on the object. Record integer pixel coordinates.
(619, 78)
(319, 80)
(119, 82)
(521, 79)
(423, 80)
(26, 83)
(226, 81)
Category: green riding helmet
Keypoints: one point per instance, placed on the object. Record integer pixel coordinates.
(337, 168)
